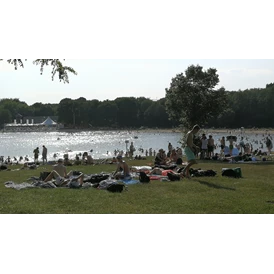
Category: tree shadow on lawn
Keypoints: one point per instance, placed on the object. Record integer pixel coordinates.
(215, 186)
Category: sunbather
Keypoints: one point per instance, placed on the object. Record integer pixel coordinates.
(122, 171)
(59, 173)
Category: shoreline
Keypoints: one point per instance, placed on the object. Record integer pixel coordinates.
(239, 131)
(180, 130)
(258, 137)
(227, 131)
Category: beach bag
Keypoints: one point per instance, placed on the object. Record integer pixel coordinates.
(143, 178)
(111, 185)
(173, 177)
(179, 161)
(3, 167)
(232, 172)
(116, 187)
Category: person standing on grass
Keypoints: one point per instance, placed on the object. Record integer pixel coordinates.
(222, 141)
(189, 150)
(210, 146)
(44, 154)
(204, 147)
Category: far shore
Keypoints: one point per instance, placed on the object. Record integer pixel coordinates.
(225, 131)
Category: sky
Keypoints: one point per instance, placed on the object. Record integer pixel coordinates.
(104, 79)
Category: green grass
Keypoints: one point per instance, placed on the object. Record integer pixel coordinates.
(251, 194)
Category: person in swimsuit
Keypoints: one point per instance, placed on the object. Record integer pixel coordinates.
(122, 171)
(231, 146)
(59, 173)
(44, 154)
(222, 141)
(189, 150)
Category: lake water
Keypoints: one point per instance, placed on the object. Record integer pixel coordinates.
(103, 143)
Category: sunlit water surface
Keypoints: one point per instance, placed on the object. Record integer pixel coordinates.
(103, 143)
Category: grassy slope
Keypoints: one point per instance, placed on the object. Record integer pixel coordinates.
(250, 194)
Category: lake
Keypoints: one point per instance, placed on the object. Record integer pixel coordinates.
(102, 143)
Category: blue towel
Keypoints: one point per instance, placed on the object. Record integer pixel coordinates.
(130, 182)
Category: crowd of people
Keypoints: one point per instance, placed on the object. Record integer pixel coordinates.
(225, 147)
(196, 147)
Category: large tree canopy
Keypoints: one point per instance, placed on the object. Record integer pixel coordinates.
(56, 64)
(191, 98)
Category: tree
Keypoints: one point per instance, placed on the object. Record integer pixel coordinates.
(5, 116)
(15, 106)
(56, 64)
(65, 111)
(191, 98)
(156, 115)
(107, 113)
(127, 111)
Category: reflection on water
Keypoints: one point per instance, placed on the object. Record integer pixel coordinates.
(102, 143)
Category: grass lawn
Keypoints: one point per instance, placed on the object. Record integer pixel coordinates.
(253, 194)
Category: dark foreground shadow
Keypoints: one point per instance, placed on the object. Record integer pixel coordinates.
(214, 185)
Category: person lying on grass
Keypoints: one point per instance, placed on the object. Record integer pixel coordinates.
(161, 171)
(59, 173)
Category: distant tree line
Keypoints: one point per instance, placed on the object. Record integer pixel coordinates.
(192, 98)
(248, 108)
(124, 112)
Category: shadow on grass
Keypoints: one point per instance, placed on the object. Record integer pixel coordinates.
(215, 186)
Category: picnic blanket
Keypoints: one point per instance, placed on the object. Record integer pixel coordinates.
(25, 185)
(90, 181)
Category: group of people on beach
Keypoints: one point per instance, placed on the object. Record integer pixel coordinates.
(123, 171)
(44, 154)
(62, 177)
(207, 147)
(195, 146)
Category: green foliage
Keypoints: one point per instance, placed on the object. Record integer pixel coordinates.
(10, 108)
(127, 111)
(65, 109)
(156, 114)
(5, 116)
(39, 109)
(191, 98)
(248, 108)
(107, 113)
(56, 64)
